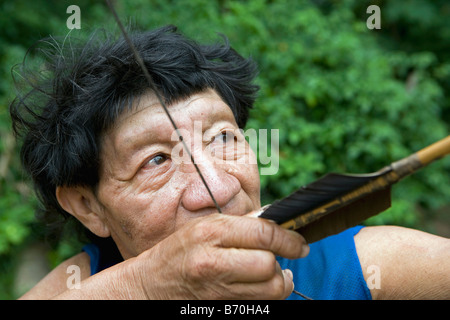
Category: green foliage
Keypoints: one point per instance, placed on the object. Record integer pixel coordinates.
(13, 223)
(345, 104)
(344, 98)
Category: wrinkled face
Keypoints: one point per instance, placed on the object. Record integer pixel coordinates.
(148, 186)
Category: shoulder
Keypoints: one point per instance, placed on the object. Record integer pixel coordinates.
(56, 281)
(402, 263)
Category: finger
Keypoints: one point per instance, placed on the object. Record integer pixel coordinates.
(288, 283)
(230, 265)
(305, 246)
(256, 233)
(247, 265)
(280, 286)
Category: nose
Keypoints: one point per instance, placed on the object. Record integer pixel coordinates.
(222, 185)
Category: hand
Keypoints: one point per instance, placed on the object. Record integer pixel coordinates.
(221, 257)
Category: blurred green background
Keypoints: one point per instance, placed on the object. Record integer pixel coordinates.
(345, 99)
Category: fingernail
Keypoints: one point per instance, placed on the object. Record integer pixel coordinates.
(288, 274)
(305, 250)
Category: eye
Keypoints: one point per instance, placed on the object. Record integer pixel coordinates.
(156, 160)
(225, 137)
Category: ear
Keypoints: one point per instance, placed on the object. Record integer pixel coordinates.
(81, 203)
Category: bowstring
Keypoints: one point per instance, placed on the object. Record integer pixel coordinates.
(152, 85)
(301, 295)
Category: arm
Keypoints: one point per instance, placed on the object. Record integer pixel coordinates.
(214, 257)
(411, 264)
(100, 286)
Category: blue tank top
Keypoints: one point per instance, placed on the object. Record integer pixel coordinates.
(331, 271)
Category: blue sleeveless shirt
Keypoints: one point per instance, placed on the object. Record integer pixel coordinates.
(331, 271)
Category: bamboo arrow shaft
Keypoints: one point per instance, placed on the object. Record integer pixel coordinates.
(422, 158)
(435, 151)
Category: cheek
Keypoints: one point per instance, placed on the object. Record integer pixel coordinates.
(138, 220)
(253, 176)
(252, 182)
(248, 175)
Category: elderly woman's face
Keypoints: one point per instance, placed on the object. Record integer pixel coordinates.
(149, 187)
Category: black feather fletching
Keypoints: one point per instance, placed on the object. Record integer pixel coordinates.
(315, 194)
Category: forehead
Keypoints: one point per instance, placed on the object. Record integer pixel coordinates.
(147, 120)
(204, 106)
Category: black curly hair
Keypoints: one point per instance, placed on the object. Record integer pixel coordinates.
(82, 87)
